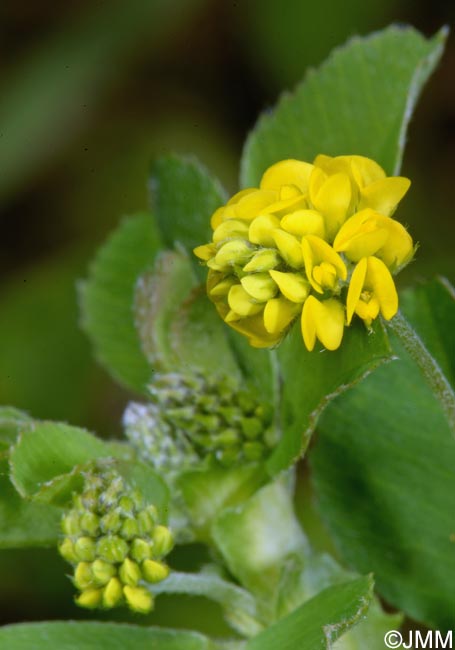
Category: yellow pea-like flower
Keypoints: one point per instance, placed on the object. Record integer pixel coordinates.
(316, 240)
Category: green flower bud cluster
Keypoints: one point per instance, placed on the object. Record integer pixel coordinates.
(114, 542)
(192, 417)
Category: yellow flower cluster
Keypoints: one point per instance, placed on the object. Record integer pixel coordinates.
(315, 240)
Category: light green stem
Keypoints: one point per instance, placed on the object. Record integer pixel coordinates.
(428, 365)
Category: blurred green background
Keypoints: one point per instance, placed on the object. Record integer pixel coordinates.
(90, 93)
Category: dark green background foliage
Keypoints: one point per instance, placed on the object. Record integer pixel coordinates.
(92, 93)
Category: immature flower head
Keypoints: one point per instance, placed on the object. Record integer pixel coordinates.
(192, 418)
(112, 538)
(296, 240)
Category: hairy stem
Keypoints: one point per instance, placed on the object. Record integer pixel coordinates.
(428, 365)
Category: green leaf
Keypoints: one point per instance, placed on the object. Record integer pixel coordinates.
(384, 463)
(317, 624)
(238, 605)
(311, 379)
(257, 538)
(107, 299)
(184, 197)
(12, 421)
(69, 635)
(24, 524)
(49, 452)
(206, 492)
(359, 102)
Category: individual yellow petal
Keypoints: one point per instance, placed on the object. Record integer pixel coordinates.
(316, 251)
(355, 288)
(365, 170)
(292, 285)
(253, 204)
(112, 593)
(308, 322)
(254, 329)
(368, 309)
(323, 320)
(239, 195)
(362, 235)
(278, 314)
(205, 252)
(260, 286)
(399, 248)
(325, 276)
(217, 217)
(261, 230)
(236, 251)
(304, 222)
(241, 302)
(289, 247)
(283, 206)
(222, 288)
(287, 172)
(263, 260)
(381, 281)
(232, 228)
(385, 194)
(332, 198)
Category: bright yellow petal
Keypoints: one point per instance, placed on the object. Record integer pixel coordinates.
(329, 317)
(292, 285)
(222, 288)
(289, 248)
(384, 195)
(278, 313)
(333, 200)
(355, 289)
(304, 222)
(283, 206)
(239, 195)
(251, 205)
(323, 252)
(205, 252)
(362, 221)
(380, 280)
(261, 230)
(253, 328)
(260, 286)
(287, 172)
(365, 171)
(399, 248)
(308, 322)
(217, 217)
(241, 302)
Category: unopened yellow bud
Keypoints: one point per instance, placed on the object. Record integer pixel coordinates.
(112, 593)
(85, 549)
(140, 550)
(237, 251)
(154, 571)
(129, 573)
(260, 286)
(102, 571)
(83, 577)
(162, 541)
(139, 599)
(263, 260)
(90, 598)
(66, 550)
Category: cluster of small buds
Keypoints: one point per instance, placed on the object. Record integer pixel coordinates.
(114, 542)
(193, 418)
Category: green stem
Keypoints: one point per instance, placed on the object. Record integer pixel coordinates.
(428, 365)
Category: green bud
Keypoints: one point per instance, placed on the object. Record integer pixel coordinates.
(210, 423)
(85, 549)
(253, 450)
(140, 550)
(228, 456)
(90, 598)
(227, 438)
(70, 524)
(102, 571)
(127, 505)
(251, 427)
(112, 593)
(139, 599)
(162, 541)
(145, 522)
(83, 577)
(66, 550)
(130, 529)
(112, 548)
(89, 500)
(154, 571)
(130, 573)
(89, 523)
(111, 522)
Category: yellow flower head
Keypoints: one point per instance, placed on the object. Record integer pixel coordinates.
(314, 239)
